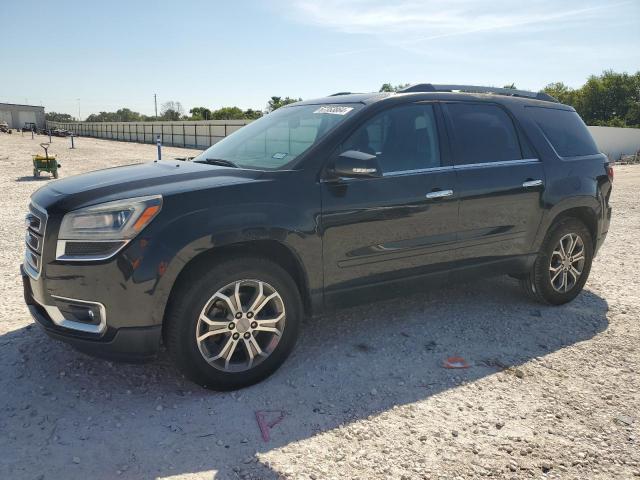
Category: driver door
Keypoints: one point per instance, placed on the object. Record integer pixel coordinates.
(398, 226)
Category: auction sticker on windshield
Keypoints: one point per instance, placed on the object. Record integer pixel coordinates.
(334, 110)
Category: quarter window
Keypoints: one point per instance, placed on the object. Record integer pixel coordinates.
(565, 130)
(482, 134)
(402, 138)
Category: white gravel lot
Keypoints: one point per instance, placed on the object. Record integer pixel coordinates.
(552, 392)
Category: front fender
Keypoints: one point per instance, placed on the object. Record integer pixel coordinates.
(168, 247)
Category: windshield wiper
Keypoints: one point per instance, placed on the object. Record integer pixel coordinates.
(218, 161)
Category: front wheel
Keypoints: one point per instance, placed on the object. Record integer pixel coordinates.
(233, 324)
(563, 264)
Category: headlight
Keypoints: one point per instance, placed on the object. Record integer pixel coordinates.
(100, 231)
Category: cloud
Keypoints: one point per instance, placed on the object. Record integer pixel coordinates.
(404, 23)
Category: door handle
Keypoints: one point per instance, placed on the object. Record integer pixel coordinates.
(439, 194)
(532, 183)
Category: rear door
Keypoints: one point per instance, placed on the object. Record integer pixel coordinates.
(402, 224)
(500, 182)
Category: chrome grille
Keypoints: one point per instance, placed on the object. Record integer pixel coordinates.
(36, 222)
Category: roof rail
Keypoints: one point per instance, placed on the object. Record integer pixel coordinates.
(339, 93)
(511, 92)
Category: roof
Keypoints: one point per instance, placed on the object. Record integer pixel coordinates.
(347, 98)
(370, 98)
(21, 105)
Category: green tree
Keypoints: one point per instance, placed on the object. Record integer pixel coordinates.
(387, 87)
(610, 99)
(58, 117)
(121, 115)
(224, 113)
(511, 86)
(607, 97)
(562, 93)
(227, 113)
(127, 115)
(277, 102)
(100, 117)
(200, 113)
(251, 114)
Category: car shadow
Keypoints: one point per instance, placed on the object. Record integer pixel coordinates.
(148, 421)
(31, 178)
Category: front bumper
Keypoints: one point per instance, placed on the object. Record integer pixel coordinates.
(125, 343)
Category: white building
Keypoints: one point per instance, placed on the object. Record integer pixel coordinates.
(17, 115)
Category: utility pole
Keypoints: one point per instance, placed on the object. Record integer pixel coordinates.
(79, 118)
(155, 103)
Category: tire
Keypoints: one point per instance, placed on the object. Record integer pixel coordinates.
(541, 283)
(202, 291)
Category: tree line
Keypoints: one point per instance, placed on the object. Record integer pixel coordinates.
(610, 99)
(174, 111)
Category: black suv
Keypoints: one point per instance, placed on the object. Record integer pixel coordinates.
(317, 205)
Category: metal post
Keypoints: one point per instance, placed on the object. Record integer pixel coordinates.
(32, 134)
(159, 143)
(49, 135)
(72, 146)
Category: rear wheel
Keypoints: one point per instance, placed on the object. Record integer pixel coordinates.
(234, 324)
(563, 264)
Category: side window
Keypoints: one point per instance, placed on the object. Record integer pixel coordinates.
(565, 130)
(482, 133)
(403, 138)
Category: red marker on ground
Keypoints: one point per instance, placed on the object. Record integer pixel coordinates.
(264, 424)
(455, 362)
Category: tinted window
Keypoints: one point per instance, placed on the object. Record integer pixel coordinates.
(483, 133)
(565, 130)
(403, 138)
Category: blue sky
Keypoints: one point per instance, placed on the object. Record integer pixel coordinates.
(219, 53)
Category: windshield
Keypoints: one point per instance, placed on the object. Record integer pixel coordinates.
(274, 141)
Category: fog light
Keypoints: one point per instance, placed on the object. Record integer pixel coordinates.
(79, 312)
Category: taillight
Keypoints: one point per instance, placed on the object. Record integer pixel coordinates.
(610, 172)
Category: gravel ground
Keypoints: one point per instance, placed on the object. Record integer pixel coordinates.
(551, 392)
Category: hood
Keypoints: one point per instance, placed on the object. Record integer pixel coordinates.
(159, 177)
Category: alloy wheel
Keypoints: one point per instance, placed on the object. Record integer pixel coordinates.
(567, 263)
(240, 325)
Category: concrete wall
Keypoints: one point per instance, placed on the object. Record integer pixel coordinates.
(16, 115)
(616, 141)
(194, 134)
(202, 134)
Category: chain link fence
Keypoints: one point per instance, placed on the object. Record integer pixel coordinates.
(189, 134)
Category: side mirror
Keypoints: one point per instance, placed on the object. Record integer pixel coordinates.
(355, 164)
